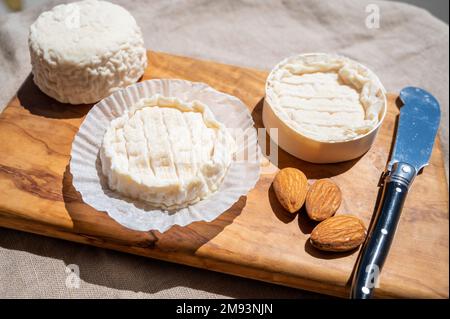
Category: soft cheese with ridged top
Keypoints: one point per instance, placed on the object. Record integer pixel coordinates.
(326, 97)
(166, 152)
(83, 51)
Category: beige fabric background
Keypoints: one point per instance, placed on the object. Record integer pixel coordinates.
(410, 48)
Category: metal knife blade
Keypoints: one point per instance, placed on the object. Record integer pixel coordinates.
(417, 128)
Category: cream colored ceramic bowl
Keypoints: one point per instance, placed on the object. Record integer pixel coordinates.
(327, 108)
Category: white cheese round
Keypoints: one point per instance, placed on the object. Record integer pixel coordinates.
(83, 51)
(327, 98)
(166, 152)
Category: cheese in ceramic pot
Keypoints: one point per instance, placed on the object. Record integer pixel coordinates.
(326, 98)
(166, 152)
(83, 51)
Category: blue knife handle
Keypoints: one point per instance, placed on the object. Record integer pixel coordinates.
(381, 234)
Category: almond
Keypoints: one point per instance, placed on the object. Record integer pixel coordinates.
(323, 199)
(290, 186)
(338, 233)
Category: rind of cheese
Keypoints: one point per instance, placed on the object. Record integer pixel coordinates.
(83, 51)
(324, 97)
(167, 153)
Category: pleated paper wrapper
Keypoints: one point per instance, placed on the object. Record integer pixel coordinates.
(85, 164)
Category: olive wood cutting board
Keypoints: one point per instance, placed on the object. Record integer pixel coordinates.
(255, 238)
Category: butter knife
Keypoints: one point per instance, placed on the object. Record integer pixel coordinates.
(417, 127)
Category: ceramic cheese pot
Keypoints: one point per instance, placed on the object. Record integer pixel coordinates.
(326, 108)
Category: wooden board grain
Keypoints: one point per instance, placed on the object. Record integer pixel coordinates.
(254, 238)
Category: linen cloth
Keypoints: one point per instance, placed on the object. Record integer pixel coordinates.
(410, 47)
